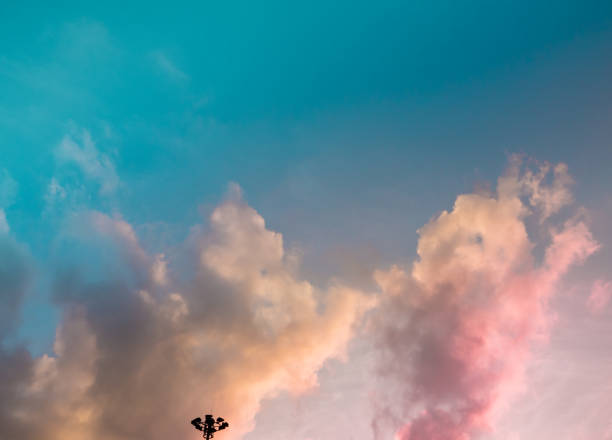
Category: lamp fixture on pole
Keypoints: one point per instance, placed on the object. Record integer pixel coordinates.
(209, 425)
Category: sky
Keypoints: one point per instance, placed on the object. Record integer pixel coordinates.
(328, 220)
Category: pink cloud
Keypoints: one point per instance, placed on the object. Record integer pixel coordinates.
(458, 326)
(600, 296)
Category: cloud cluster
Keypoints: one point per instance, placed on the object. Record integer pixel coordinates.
(145, 343)
(141, 350)
(457, 325)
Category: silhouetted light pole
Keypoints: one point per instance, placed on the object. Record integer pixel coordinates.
(209, 425)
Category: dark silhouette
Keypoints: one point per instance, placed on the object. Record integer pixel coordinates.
(209, 426)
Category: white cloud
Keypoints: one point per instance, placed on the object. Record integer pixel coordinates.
(81, 151)
(8, 189)
(55, 192)
(4, 226)
(164, 63)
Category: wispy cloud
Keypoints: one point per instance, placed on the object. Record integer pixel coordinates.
(80, 150)
(167, 66)
(8, 189)
(4, 226)
(600, 296)
(8, 192)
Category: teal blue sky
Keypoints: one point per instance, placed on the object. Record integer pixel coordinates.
(380, 111)
(347, 124)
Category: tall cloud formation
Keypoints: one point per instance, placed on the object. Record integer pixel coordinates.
(457, 326)
(140, 351)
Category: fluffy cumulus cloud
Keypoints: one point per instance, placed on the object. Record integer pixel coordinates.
(145, 343)
(456, 326)
(141, 350)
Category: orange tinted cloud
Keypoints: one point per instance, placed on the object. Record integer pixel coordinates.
(138, 353)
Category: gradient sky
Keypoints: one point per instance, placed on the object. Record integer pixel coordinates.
(143, 146)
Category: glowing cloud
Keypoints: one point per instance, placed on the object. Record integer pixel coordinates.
(136, 356)
(457, 327)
